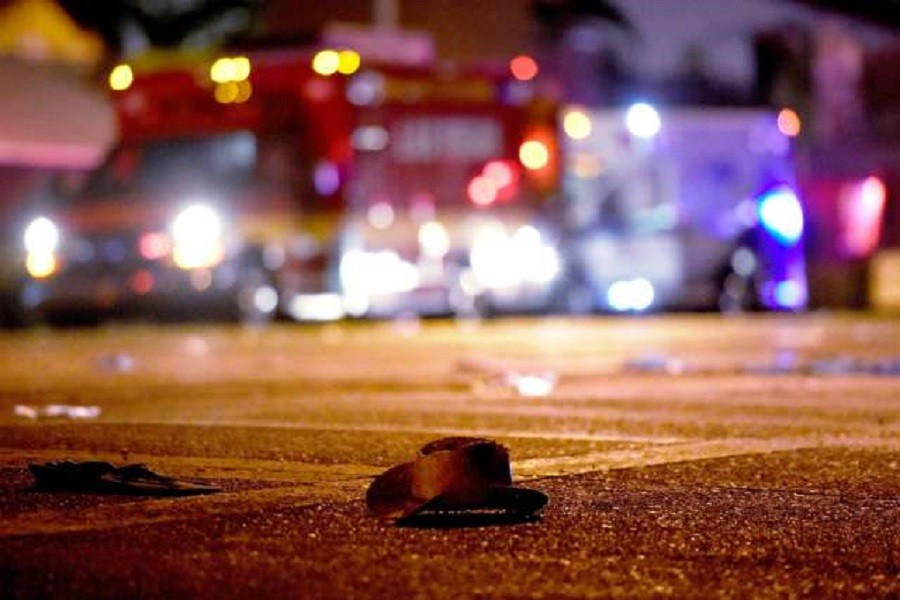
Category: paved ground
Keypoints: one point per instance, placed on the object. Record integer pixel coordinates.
(697, 471)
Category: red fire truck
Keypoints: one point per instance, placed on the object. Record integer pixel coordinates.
(298, 183)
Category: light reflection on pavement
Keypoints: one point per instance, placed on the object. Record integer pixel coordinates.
(304, 416)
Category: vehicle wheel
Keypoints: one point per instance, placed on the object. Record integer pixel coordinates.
(13, 314)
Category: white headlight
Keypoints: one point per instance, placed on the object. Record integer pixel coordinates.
(41, 236)
(642, 120)
(41, 240)
(374, 273)
(635, 294)
(434, 239)
(197, 237)
(493, 258)
(527, 236)
(503, 261)
(196, 221)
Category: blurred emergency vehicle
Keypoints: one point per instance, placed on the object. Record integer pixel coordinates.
(300, 183)
(451, 202)
(683, 209)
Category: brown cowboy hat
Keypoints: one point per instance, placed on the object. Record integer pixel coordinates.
(453, 479)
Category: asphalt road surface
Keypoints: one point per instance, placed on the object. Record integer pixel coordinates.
(683, 457)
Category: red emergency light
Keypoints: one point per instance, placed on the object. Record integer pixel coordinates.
(862, 207)
(497, 181)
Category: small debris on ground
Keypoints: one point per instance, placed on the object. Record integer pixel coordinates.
(655, 363)
(56, 411)
(529, 385)
(116, 362)
(784, 362)
(488, 377)
(532, 385)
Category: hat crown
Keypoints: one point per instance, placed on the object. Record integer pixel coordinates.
(460, 469)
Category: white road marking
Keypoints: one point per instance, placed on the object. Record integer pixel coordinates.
(578, 436)
(347, 483)
(664, 454)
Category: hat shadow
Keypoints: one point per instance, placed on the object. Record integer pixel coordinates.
(464, 519)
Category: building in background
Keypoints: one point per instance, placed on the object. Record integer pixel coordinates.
(52, 115)
(53, 120)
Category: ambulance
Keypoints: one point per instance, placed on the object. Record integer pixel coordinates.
(682, 208)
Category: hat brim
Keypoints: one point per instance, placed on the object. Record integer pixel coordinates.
(500, 506)
(390, 497)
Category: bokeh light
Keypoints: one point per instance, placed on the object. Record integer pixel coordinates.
(240, 67)
(577, 124)
(226, 92)
(381, 215)
(233, 92)
(523, 67)
(434, 239)
(40, 266)
(534, 155)
(244, 91)
(348, 62)
(326, 178)
(154, 245)
(642, 120)
(861, 210)
(482, 190)
(789, 122)
(222, 70)
(326, 62)
(781, 214)
(225, 69)
(121, 78)
(499, 172)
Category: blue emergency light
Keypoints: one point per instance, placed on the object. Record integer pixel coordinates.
(781, 215)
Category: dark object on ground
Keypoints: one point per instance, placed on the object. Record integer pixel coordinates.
(105, 478)
(454, 482)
